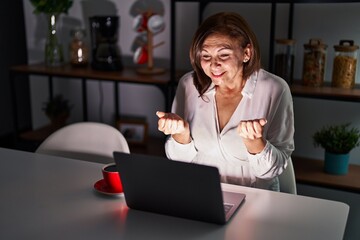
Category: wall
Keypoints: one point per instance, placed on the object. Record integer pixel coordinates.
(13, 51)
(310, 114)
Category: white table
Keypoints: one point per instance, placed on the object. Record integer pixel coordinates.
(45, 197)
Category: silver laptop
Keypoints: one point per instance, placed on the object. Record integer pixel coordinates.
(159, 185)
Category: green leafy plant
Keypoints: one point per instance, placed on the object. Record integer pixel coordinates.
(338, 139)
(58, 106)
(51, 6)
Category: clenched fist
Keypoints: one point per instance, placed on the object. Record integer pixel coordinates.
(171, 123)
(252, 133)
(251, 129)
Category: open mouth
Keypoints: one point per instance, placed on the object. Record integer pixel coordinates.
(217, 75)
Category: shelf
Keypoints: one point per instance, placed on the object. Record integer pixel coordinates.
(126, 75)
(326, 92)
(310, 171)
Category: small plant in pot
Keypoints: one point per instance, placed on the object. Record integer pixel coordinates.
(338, 141)
(57, 110)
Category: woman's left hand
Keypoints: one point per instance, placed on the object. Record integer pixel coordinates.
(251, 129)
(252, 133)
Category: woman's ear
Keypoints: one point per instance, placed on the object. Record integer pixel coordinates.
(247, 53)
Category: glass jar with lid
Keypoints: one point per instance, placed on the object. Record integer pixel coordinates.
(284, 59)
(314, 63)
(344, 66)
(79, 51)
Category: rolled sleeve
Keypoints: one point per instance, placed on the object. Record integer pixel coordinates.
(180, 152)
(269, 163)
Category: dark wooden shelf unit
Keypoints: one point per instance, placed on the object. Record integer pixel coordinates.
(128, 75)
(310, 171)
(326, 92)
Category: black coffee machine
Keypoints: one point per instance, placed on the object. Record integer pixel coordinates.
(105, 51)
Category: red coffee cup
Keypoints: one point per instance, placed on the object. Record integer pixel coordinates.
(112, 178)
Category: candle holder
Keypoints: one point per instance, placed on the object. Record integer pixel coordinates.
(79, 51)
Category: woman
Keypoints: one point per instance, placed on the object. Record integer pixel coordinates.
(229, 112)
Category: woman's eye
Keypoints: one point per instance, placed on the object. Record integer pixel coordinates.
(205, 57)
(224, 56)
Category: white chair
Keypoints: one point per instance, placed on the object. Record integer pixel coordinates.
(287, 179)
(89, 141)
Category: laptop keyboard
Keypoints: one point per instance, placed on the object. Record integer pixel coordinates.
(227, 207)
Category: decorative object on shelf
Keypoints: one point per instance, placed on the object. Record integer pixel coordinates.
(314, 63)
(106, 54)
(344, 66)
(284, 59)
(148, 23)
(54, 55)
(57, 110)
(338, 141)
(78, 49)
(134, 129)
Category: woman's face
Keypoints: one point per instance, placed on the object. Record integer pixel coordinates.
(222, 59)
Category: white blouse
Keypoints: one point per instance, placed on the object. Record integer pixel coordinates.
(264, 96)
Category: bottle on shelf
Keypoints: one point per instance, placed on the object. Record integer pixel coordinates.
(314, 63)
(284, 59)
(344, 65)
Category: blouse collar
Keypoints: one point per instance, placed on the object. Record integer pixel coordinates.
(248, 90)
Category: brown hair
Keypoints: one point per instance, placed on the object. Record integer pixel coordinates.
(229, 24)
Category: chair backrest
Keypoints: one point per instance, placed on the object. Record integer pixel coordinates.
(287, 179)
(89, 141)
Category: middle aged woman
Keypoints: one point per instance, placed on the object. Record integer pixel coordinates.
(229, 112)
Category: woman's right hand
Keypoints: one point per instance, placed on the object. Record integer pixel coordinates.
(171, 123)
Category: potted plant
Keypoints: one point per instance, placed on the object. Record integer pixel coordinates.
(57, 109)
(51, 6)
(338, 141)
